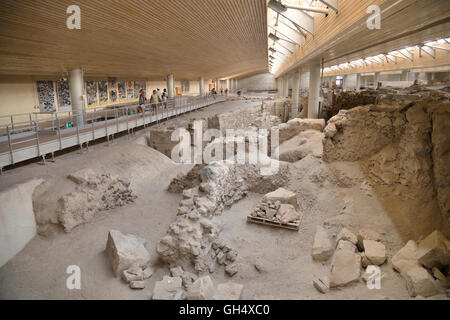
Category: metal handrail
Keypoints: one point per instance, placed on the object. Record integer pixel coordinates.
(154, 111)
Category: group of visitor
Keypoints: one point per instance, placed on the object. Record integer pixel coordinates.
(158, 98)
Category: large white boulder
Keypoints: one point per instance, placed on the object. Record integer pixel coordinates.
(367, 234)
(375, 252)
(434, 251)
(282, 195)
(125, 251)
(345, 269)
(322, 247)
(420, 283)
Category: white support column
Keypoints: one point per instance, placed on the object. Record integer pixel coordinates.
(296, 94)
(285, 86)
(170, 86)
(404, 76)
(76, 83)
(217, 86)
(344, 81)
(358, 81)
(202, 86)
(236, 83)
(279, 86)
(376, 79)
(228, 84)
(314, 90)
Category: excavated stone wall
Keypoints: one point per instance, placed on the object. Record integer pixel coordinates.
(190, 238)
(402, 140)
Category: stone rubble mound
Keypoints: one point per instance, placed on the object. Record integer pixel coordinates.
(190, 237)
(279, 206)
(129, 258)
(349, 260)
(94, 193)
(425, 265)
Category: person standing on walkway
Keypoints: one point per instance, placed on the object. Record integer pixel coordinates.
(165, 97)
(154, 100)
(142, 101)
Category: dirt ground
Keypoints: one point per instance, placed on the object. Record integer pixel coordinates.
(327, 193)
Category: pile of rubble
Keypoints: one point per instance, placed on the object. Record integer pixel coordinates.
(425, 265)
(354, 256)
(129, 258)
(187, 181)
(349, 254)
(176, 288)
(190, 238)
(279, 206)
(95, 192)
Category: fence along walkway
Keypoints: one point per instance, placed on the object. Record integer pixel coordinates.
(36, 138)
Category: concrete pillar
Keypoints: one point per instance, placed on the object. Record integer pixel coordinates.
(236, 82)
(376, 79)
(202, 86)
(358, 81)
(285, 86)
(404, 76)
(314, 90)
(296, 94)
(279, 86)
(344, 81)
(170, 86)
(217, 85)
(76, 83)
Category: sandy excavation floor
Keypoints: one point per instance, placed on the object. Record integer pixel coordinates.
(273, 263)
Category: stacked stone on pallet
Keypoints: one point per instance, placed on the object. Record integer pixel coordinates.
(279, 206)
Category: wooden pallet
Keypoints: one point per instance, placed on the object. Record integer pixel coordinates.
(267, 222)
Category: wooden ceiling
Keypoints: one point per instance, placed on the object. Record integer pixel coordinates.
(135, 38)
(344, 36)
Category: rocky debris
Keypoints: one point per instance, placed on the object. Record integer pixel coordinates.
(229, 291)
(187, 181)
(187, 277)
(419, 282)
(94, 193)
(223, 253)
(231, 269)
(443, 280)
(201, 289)
(137, 285)
(167, 289)
(346, 245)
(434, 251)
(405, 258)
(125, 251)
(375, 252)
(189, 239)
(366, 234)
(413, 259)
(322, 284)
(322, 247)
(279, 206)
(347, 235)
(134, 273)
(345, 268)
(283, 196)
